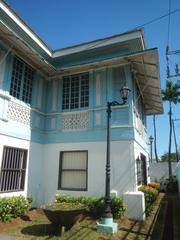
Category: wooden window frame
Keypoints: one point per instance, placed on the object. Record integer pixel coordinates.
(61, 170)
(21, 80)
(75, 96)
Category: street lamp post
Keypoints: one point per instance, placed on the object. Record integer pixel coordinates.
(107, 224)
(151, 141)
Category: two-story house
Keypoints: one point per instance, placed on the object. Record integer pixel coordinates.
(53, 112)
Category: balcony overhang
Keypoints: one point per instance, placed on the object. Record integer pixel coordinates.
(145, 67)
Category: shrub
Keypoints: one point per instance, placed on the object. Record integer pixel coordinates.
(150, 195)
(11, 207)
(95, 205)
(155, 185)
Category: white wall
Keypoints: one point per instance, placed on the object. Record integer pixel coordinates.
(35, 173)
(137, 152)
(122, 178)
(19, 143)
(43, 167)
(160, 170)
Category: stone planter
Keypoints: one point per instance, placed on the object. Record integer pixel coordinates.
(64, 218)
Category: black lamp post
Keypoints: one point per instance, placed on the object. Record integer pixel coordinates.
(124, 92)
(151, 141)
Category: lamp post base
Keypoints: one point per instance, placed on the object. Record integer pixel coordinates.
(107, 226)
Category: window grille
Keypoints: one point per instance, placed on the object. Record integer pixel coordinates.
(139, 171)
(13, 168)
(73, 170)
(21, 80)
(75, 91)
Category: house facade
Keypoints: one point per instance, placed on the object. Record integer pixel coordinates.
(53, 122)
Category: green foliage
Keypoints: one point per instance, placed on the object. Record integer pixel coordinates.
(12, 207)
(29, 199)
(150, 195)
(165, 157)
(65, 206)
(171, 92)
(95, 205)
(169, 184)
(118, 207)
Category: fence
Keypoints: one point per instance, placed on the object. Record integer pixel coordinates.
(160, 170)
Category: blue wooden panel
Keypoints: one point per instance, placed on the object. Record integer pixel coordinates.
(8, 72)
(120, 116)
(90, 56)
(49, 129)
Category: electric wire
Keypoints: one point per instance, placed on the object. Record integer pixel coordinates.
(135, 28)
(169, 22)
(156, 19)
(168, 37)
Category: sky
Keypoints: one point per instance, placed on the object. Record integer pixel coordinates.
(63, 23)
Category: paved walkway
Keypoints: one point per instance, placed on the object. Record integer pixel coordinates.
(3, 237)
(172, 218)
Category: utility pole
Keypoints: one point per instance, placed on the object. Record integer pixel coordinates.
(175, 141)
(176, 69)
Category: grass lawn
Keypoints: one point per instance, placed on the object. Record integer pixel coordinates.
(40, 228)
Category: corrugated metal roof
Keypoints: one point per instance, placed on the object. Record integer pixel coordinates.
(145, 67)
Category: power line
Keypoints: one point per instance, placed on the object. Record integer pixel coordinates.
(158, 18)
(140, 26)
(168, 36)
(169, 22)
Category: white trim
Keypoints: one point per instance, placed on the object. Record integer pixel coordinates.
(121, 126)
(2, 95)
(24, 27)
(99, 43)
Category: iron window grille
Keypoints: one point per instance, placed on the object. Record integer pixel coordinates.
(21, 80)
(139, 171)
(73, 170)
(75, 91)
(13, 169)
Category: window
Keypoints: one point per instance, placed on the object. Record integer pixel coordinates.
(141, 170)
(13, 168)
(75, 91)
(21, 81)
(73, 170)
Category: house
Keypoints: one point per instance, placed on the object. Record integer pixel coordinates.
(53, 113)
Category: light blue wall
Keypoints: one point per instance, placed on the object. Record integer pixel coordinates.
(46, 121)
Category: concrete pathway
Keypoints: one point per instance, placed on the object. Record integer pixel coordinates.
(5, 237)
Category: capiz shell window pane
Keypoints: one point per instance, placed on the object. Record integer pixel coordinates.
(74, 160)
(73, 167)
(73, 180)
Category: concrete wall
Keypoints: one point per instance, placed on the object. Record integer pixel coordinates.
(160, 170)
(19, 143)
(122, 176)
(35, 173)
(138, 150)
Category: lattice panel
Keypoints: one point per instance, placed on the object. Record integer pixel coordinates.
(75, 121)
(140, 128)
(18, 113)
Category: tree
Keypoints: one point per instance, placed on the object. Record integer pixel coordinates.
(155, 142)
(172, 95)
(165, 157)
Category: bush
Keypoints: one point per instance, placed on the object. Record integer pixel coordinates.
(150, 195)
(12, 207)
(95, 205)
(155, 185)
(169, 184)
